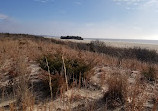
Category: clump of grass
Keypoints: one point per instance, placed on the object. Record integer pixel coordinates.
(149, 73)
(116, 95)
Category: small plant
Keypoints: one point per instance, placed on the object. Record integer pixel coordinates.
(150, 74)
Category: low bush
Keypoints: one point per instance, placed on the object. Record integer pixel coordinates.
(75, 69)
(145, 55)
(54, 63)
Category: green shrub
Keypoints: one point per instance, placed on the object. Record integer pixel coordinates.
(54, 63)
(75, 69)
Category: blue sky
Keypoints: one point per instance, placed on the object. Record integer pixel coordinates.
(125, 19)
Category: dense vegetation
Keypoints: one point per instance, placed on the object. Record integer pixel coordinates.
(34, 68)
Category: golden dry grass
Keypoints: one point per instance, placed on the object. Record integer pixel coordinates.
(23, 51)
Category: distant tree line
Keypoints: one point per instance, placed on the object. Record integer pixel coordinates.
(71, 37)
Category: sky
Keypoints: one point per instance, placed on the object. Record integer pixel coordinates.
(115, 19)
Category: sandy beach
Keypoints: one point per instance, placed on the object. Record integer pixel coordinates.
(121, 44)
(132, 45)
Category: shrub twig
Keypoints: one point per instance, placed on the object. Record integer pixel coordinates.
(65, 72)
(50, 81)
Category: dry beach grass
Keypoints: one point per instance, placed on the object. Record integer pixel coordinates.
(45, 74)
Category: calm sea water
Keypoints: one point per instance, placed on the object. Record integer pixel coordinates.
(155, 42)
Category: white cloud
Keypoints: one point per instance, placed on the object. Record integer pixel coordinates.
(3, 16)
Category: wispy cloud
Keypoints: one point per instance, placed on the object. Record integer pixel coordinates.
(78, 3)
(143, 20)
(3, 16)
(151, 4)
(44, 1)
(138, 4)
(129, 1)
(131, 4)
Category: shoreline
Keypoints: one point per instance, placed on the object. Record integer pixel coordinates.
(119, 44)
